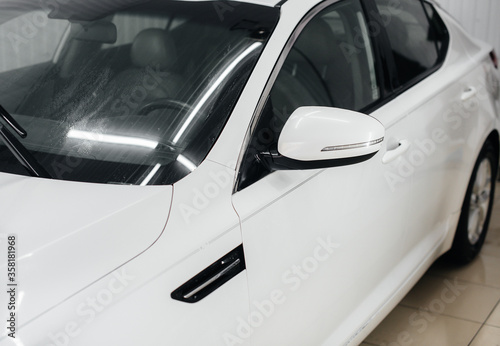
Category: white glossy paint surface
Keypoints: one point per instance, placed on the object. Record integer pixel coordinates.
(333, 250)
(70, 234)
(132, 305)
(323, 133)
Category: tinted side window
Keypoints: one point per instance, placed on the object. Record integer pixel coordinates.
(417, 35)
(331, 64)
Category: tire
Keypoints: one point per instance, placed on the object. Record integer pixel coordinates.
(476, 208)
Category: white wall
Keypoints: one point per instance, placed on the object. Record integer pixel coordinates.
(481, 18)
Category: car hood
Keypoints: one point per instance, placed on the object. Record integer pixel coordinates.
(68, 235)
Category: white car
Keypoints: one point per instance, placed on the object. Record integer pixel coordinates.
(257, 172)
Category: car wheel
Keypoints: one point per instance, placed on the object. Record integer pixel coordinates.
(477, 207)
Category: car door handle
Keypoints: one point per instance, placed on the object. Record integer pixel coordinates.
(213, 277)
(469, 93)
(392, 155)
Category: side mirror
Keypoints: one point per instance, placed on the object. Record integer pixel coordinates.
(323, 137)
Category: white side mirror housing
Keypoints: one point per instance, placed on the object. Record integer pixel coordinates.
(320, 137)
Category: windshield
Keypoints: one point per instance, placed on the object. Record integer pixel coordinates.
(124, 91)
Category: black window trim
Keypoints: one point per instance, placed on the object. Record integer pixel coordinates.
(270, 83)
(279, 64)
(386, 69)
(383, 39)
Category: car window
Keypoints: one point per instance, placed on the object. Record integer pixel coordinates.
(332, 63)
(129, 25)
(417, 36)
(130, 93)
(29, 39)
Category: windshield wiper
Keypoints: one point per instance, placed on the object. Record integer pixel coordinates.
(12, 122)
(22, 154)
(16, 148)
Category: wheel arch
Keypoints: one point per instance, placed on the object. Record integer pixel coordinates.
(494, 139)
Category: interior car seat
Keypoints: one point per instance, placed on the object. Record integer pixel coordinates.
(151, 76)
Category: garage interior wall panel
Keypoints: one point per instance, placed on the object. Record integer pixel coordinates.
(481, 18)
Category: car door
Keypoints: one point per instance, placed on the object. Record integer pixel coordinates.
(322, 247)
(440, 103)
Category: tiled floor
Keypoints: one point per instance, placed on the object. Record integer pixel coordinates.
(450, 305)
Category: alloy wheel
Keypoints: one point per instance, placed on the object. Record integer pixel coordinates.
(479, 201)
